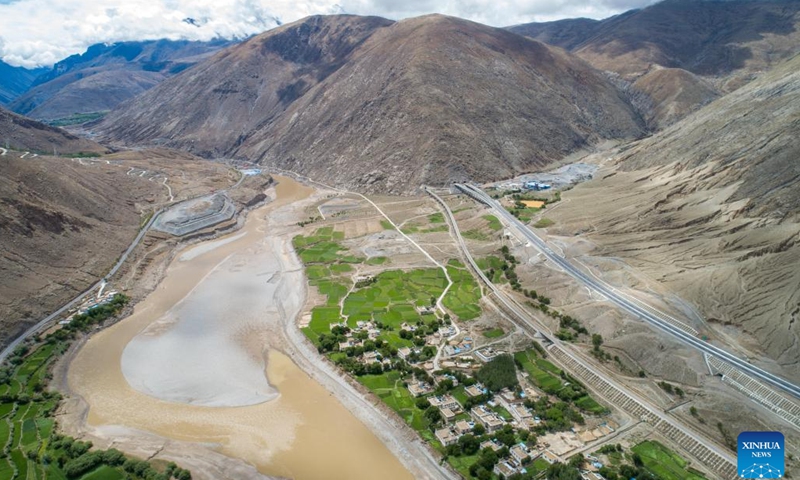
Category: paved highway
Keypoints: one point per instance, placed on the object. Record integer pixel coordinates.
(523, 317)
(625, 303)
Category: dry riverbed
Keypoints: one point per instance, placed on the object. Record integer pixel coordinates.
(198, 370)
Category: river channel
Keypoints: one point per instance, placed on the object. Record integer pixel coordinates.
(200, 360)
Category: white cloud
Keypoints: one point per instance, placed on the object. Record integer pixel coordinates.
(41, 32)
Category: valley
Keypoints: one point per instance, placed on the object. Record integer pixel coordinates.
(353, 247)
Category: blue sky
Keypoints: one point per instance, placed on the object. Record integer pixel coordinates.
(41, 32)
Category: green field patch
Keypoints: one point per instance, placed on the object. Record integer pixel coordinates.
(341, 268)
(463, 297)
(6, 470)
(494, 223)
(5, 409)
(461, 464)
(437, 217)
(387, 225)
(104, 472)
(663, 462)
(317, 272)
(391, 391)
(544, 223)
(394, 340)
(542, 378)
(335, 291)
(475, 234)
(29, 433)
(494, 333)
(590, 405)
(5, 433)
(19, 460)
(322, 318)
(376, 260)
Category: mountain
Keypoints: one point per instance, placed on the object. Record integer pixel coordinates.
(672, 94)
(713, 38)
(23, 134)
(364, 102)
(107, 74)
(14, 81)
(725, 43)
(710, 209)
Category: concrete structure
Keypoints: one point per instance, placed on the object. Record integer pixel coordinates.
(196, 214)
(504, 469)
(418, 389)
(463, 427)
(446, 436)
(447, 414)
(445, 401)
(475, 390)
(490, 420)
(520, 453)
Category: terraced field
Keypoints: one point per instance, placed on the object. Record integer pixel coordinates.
(463, 297)
(392, 297)
(548, 377)
(32, 450)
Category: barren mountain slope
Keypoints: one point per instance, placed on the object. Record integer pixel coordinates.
(704, 37)
(663, 48)
(63, 223)
(673, 93)
(210, 108)
(20, 133)
(106, 75)
(367, 103)
(711, 209)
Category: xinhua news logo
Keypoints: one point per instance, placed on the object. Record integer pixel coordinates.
(760, 455)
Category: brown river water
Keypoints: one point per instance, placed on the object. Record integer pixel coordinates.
(303, 433)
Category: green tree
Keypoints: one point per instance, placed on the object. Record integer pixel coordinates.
(597, 340)
(499, 373)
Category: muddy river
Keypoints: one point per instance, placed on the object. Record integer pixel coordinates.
(199, 361)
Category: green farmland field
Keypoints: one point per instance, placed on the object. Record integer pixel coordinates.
(663, 462)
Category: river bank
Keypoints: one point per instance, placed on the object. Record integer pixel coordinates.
(298, 429)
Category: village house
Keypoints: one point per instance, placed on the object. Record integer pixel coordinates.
(504, 470)
(490, 444)
(447, 414)
(463, 427)
(372, 357)
(550, 457)
(418, 389)
(475, 390)
(446, 436)
(445, 401)
(403, 352)
(489, 419)
(520, 453)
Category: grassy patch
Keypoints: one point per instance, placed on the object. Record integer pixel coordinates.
(437, 217)
(475, 234)
(463, 297)
(377, 261)
(494, 223)
(386, 225)
(494, 333)
(542, 378)
(34, 450)
(77, 119)
(543, 223)
(663, 462)
(389, 387)
(104, 472)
